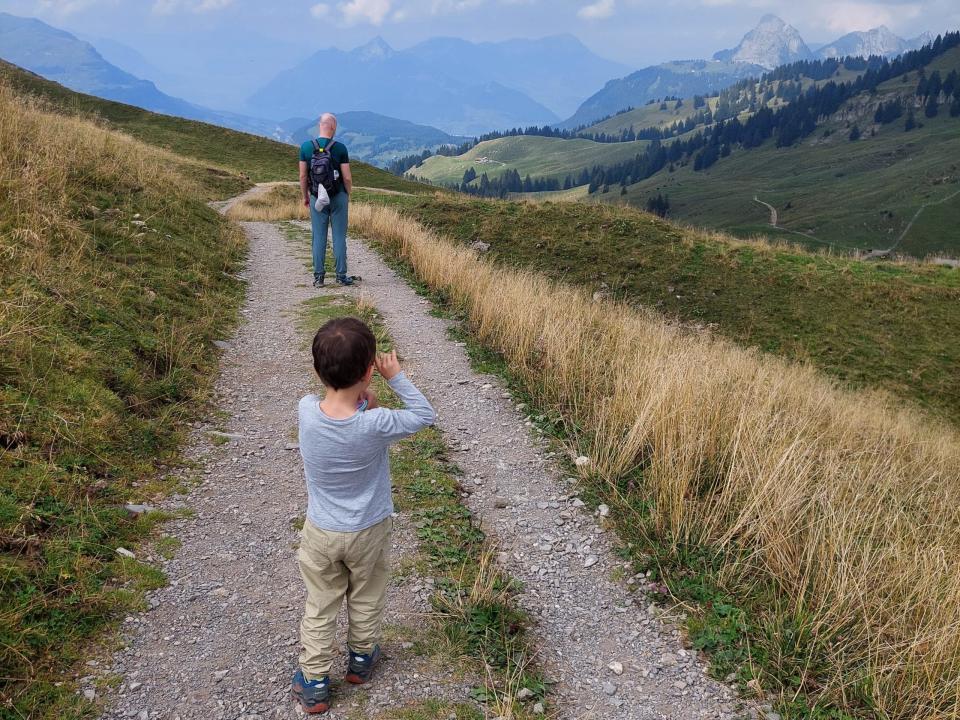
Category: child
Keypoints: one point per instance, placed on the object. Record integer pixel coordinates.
(345, 545)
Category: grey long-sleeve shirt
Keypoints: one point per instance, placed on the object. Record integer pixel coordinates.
(346, 463)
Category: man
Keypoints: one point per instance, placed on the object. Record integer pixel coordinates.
(335, 213)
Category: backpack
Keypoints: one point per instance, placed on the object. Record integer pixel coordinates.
(324, 170)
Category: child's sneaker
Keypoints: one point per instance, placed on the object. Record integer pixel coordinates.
(361, 666)
(313, 695)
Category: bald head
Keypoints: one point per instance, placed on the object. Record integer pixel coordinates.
(328, 125)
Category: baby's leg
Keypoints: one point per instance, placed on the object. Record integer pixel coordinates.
(325, 575)
(368, 562)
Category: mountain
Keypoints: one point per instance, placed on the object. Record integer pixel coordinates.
(559, 72)
(770, 44)
(59, 56)
(680, 78)
(378, 139)
(460, 87)
(878, 41)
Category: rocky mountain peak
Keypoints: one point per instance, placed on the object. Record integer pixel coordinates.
(771, 43)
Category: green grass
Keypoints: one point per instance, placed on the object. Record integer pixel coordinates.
(887, 326)
(648, 116)
(482, 624)
(529, 155)
(844, 195)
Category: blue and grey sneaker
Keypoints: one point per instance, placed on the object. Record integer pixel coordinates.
(344, 280)
(361, 666)
(313, 695)
(318, 281)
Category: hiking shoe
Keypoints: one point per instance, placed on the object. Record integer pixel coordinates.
(313, 695)
(318, 281)
(361, 666)
(344, 280)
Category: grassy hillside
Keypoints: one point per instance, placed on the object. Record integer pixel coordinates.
(527, 154)
(810, 534)
(840, 193)
(647, 116)
(256, 158)
(116, 279)
(888, 326)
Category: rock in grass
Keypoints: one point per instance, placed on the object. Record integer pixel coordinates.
(525, 694)
(538, 709)
(603, 510)
(136, 511)
(582, 461)
(122, 551)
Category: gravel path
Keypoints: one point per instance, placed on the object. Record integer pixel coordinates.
(220, 641)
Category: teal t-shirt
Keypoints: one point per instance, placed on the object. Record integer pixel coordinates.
(337, 150)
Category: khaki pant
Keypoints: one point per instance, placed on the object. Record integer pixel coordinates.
(334, 565)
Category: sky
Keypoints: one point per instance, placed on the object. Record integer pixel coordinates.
(245, 42)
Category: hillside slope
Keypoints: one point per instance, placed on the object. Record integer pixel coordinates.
(117, 278)
(887, 326)
(257, 158)
(529, 155)
(843, 190)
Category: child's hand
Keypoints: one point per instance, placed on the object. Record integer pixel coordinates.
(371, 399)
(388, 365)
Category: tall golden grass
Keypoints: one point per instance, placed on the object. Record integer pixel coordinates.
(848, 504)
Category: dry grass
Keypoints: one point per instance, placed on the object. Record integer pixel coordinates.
(115, 277)
(280, 201)
(849, 505)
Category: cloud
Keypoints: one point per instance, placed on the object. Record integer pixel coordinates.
(849, 16)
(67, 7)
(597, 11)
(370, 11)
(168, 7)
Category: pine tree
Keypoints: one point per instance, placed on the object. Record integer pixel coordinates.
(955, 107)
(911, 121)
(932, 107)
(854, 133)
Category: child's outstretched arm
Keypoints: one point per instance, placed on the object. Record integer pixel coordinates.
(417, 413)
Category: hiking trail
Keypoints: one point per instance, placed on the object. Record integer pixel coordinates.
(221, 639)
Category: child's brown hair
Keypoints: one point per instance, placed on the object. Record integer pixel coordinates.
(343, 350)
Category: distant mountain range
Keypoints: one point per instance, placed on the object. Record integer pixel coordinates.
(377, 139)
(768, 45)
(878, 41)
(59, 56)
(461, 87)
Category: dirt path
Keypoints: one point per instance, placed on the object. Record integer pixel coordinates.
(771, 208)
(221, 640)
